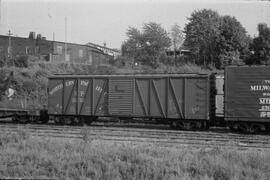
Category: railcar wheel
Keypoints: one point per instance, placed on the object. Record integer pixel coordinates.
(15, 119)
(23, 119)
(88, 121)
(233, 126)
(187, 125)
(69, 120)
(250, 128)
(206, 125)
(242, 127)
(44, 117)
(173, 125)
(59, 120)
(82, 121)
(268, 128)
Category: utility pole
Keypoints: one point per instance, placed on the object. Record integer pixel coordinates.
(9, 44)
(65, 39)
(0, 11)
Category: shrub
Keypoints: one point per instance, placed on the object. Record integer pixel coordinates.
(21, 61)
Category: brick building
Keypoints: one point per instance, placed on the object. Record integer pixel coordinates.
(53, 51)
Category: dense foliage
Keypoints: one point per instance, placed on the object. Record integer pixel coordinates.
(177, 37)
(145, 46)
(261, 46)
(215, 39)
(212, 40)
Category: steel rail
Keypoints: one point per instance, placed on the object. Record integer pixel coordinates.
(123, 135)
(141, 131)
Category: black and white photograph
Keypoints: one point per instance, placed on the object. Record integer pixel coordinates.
(134, 90)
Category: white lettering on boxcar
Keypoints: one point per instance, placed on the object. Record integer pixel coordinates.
(264, 114)
(260, 88)
(99, 89)
(56, 88)
(82, 93)
(84, 83)
(265, 108)
(69, 83)
(264, 100)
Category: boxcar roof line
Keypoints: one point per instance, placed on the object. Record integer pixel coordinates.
(126, 75)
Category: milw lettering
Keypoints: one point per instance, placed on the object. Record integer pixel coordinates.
(260, 88)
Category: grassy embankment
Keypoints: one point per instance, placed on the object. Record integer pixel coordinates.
(24, 156)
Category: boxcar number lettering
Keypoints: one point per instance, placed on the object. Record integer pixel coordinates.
(69, 83)
(84, 83)
(260, 88)
(82, 93)
(98, 88)
(265, 108)
(264, 100)
(56, 88)
(264, 114)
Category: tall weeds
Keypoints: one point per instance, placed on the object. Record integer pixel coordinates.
(24, 156)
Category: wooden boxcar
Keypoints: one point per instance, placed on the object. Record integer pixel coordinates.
(152, 96)
(247, 97)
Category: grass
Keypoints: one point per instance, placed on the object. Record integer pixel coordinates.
(24, 156)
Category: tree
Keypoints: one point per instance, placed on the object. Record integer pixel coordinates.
(201, 34)
(215, 39)
(146, 45)
(131, 47)
(177, 37)
(261, 46)
(232, 41)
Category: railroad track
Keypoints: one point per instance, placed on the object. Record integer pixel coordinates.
(135, 135)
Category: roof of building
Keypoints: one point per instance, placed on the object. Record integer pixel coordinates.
(95, 48)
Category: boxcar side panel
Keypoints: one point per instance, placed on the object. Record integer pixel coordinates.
(85, 89)
(55, 93)
(176, 101)
(158, 97)
(70, 96)
(100, 97)
(196, 98)
(172, 97)
(141, 98)
(247, 94)
(121, 96)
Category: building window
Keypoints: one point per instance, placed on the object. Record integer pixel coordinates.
(67, 58)
(59, 49)
(90, 58)
(27, 50)
(80, 53)
(37, 50)
(9, 50)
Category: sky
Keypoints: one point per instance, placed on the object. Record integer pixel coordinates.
(108, 20)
